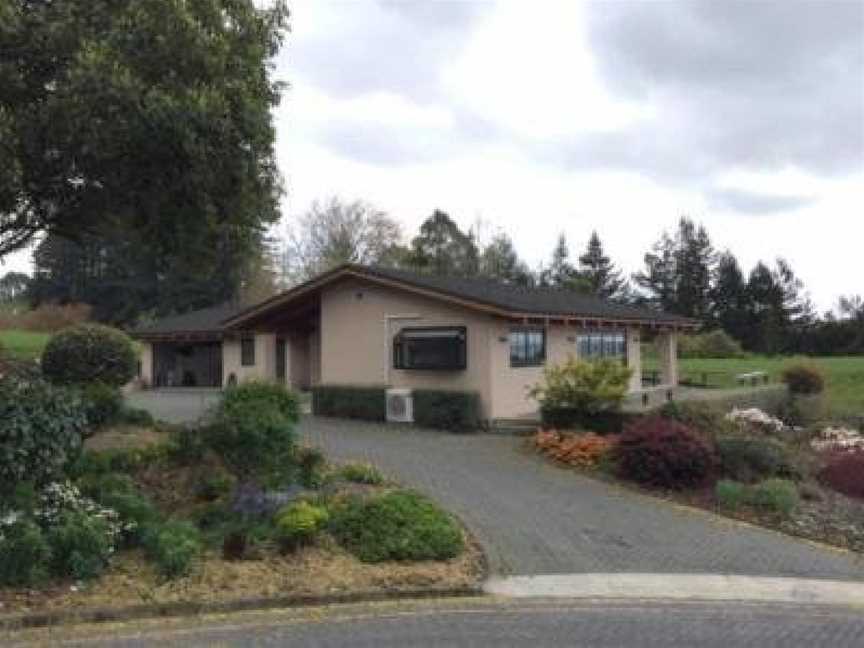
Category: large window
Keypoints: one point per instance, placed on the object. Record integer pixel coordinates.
(247, 351)
(430, 348)
(592, 345)
(527, 347)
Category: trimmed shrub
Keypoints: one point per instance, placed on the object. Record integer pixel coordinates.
(779, 496)
(400, 525)
(664, 453)
(135, 511)
(589, 387)
(239, 400)
(25, 553)
(579, 450)
(802, 379)
(361, 473)
(364, 403)
(89, 353)
(731, 495)
(253, 430)
(749, 459)
(713, 344)
(310, 466)
(81, 545)
(456, 411)
(844, 473)
(172, 546)
(298, 524)
(775, 496)
(564, 418)
(103, 405)
(40, 435)
(701, 417)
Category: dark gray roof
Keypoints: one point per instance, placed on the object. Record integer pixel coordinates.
(513, 299)
(204, 320)
(541, 301)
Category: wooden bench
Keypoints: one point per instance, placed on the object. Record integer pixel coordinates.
(753, 378)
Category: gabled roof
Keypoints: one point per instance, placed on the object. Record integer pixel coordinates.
(202, 321)
(485, 294)
(488, 295)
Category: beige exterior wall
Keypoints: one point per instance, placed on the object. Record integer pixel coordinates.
(359, 321)
(265, 359)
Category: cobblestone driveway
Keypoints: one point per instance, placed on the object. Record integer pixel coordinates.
(535, 518)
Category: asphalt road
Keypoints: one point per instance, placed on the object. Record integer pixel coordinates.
(496, 623)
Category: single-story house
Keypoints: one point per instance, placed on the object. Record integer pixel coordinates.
(360, 325)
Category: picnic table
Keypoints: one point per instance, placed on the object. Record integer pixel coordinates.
(753, 378)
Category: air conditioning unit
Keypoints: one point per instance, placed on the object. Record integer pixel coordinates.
(400, 406)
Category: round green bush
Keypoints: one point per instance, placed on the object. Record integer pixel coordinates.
(89, 353)
(103, 405)
(172, 546)
(81, 545)
(664, 453)
(400, 525)
(253, 429)
(803, 379)
(41, 432)
(299, 523)
(749, 459)
(25, 553)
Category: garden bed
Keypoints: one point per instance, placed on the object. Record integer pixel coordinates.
(223, 513)
(796, 502)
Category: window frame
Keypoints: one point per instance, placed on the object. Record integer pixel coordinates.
(247, 351)
(526, 330)
(460, 334)
(602, 333)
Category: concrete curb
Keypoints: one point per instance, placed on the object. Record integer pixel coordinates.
(194, 608)
(687, 587)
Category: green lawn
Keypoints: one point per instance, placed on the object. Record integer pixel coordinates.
(844, 375)
(23, 344)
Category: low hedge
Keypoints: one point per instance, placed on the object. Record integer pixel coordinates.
(456, 411)
(343, 401)
(571, 418)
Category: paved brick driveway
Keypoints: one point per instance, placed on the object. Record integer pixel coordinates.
(534, 518)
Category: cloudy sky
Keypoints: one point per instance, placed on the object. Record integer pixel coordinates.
(542, 117)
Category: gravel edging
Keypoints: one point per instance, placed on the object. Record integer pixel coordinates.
(193, 608)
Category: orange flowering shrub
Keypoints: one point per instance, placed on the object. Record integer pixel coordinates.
(578, 450)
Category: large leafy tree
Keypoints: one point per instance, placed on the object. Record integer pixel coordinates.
(597, 269)
(336, 232)
(146, 121)
(442, 248)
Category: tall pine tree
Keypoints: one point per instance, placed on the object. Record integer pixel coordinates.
(598, 271)
(561, 273)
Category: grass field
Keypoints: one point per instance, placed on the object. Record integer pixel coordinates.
(23, 344)
(844, 375)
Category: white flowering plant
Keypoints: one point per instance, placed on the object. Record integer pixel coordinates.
(757, 419)
(837, 439)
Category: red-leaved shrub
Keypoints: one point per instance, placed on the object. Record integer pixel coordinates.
(664, 453)
(844, 473)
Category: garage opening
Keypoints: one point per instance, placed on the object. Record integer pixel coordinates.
(187, 364)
